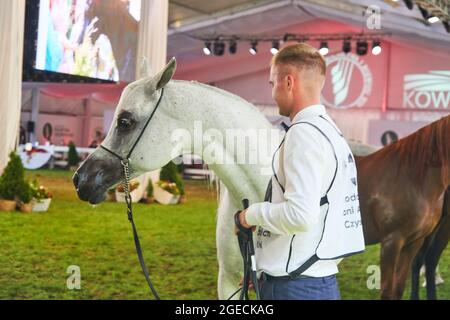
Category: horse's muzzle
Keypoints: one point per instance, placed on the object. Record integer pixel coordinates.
(95, 176)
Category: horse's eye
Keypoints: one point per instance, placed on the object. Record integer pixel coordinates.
(124, 123)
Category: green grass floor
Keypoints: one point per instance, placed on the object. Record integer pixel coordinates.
(178, 243)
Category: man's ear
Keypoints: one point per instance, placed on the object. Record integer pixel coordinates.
(162, 78)
(290, 81)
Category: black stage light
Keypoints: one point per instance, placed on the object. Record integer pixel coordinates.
(207, 48)
(219, 48)
(409, 4)
(253, 49)
(323, 50)
(346, 46)
(361, 47)
(376, 47)
(232, 47)
(275, 47)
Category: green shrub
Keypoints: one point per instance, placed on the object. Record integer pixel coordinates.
(73, 158)
(25, 193)
(12, 181)
(180, 165)
(150, 188)
(170, 173)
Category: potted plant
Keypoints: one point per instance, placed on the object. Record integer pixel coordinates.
(111, 195)
(120, 192)
(41, 197)
(11, 183)
(73, 159)
(25, 196)
(167, 192)
(150, 192)
(170, 175)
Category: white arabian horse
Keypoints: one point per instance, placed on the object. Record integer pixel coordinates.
(184, 107)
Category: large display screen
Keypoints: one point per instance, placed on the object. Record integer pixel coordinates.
(88, 38)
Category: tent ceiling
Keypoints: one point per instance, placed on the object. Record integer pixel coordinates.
(196, 17)
(183, 10)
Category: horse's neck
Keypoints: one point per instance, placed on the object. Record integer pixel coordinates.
(216, 113)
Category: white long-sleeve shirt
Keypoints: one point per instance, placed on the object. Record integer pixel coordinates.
(305, 165)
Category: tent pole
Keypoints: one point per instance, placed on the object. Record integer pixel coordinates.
(35, 97)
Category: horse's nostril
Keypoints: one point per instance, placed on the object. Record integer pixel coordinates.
(76, 179)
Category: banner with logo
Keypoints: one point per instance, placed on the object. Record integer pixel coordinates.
(351, 81)
(419, 80)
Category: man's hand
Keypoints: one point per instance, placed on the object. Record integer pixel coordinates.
(243, 222)
(250, 283)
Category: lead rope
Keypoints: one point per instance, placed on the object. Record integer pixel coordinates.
(126, 187)
(246, 246)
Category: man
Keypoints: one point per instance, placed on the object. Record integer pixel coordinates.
(311, 219)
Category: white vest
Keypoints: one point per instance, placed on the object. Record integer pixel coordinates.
(342, 233)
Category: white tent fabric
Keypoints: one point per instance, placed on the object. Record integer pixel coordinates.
(152, 43)
(12, 16)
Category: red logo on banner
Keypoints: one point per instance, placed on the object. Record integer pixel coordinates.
(348, 83)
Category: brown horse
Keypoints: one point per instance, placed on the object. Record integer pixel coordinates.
(402, 188)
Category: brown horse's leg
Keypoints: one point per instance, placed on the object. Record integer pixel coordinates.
(390, 252)
(406, 258)
(434, 254)
(418, 262)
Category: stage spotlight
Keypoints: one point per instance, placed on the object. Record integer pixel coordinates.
(219, 48)
(275, 47)
(323, 48)
(207, 48)
(253, 49)
(361, 47)
(233, 47)
(409, 4)
(376, 47)
(446, 26)
(347, 46)
(433, 19)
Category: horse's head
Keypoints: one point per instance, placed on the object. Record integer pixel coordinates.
(102, 169)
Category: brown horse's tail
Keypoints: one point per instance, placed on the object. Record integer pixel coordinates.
(445, 207)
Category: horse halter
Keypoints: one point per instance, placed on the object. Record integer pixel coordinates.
(125, 162)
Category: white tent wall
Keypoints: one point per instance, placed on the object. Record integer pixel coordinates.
(66, 128)
(76, 120)
(12, 16)
(69, 106)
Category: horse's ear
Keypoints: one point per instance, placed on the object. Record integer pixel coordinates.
(145, 68)
(163, 77)
(167, 73)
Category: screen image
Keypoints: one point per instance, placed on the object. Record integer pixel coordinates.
(89, 38)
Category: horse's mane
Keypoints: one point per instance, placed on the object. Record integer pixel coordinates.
(221, 92)
(427, 147)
